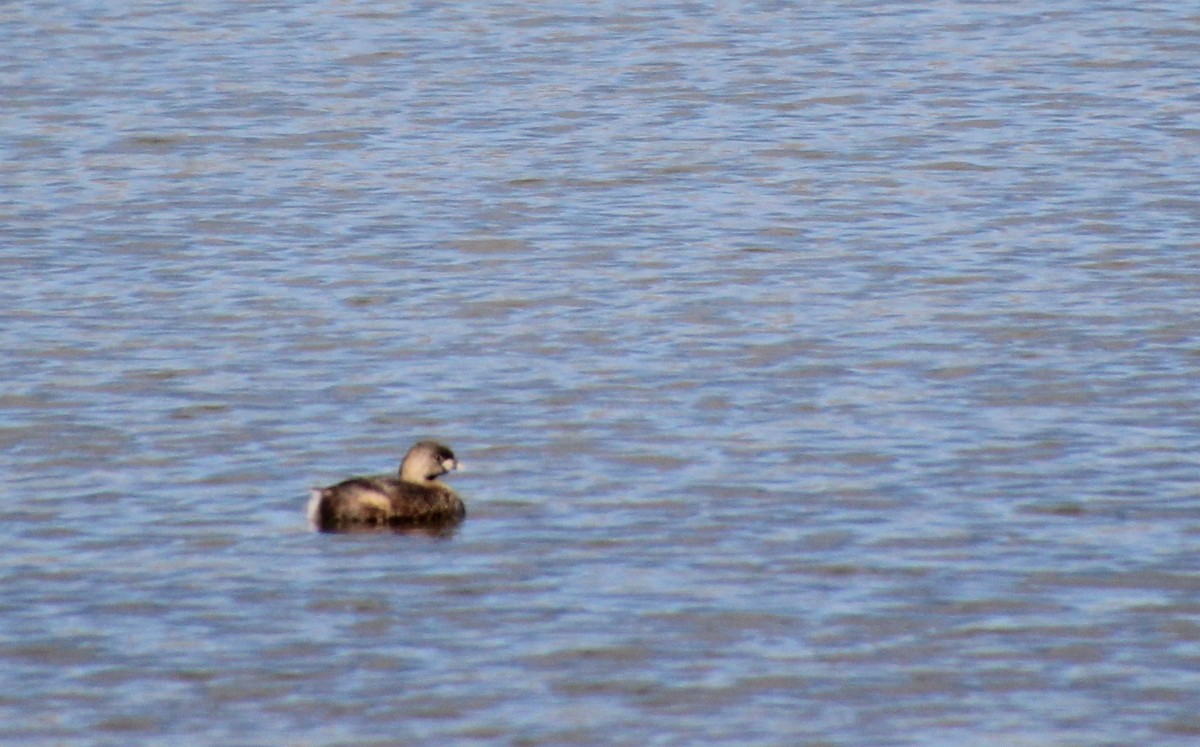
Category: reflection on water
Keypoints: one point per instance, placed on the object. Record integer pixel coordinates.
(830, 373)
(433, 529)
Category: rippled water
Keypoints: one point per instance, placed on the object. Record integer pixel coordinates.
(825, 373)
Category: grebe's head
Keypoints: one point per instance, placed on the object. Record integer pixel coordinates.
(426, 461)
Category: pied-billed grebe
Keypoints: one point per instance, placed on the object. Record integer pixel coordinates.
(414, 498)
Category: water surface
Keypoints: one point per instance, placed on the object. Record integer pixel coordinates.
(825, 374)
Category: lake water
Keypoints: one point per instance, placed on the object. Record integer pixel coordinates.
(825, 373)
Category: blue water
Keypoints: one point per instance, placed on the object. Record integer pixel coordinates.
(824, 374)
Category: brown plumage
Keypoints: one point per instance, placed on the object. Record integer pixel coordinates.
(414, 498)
